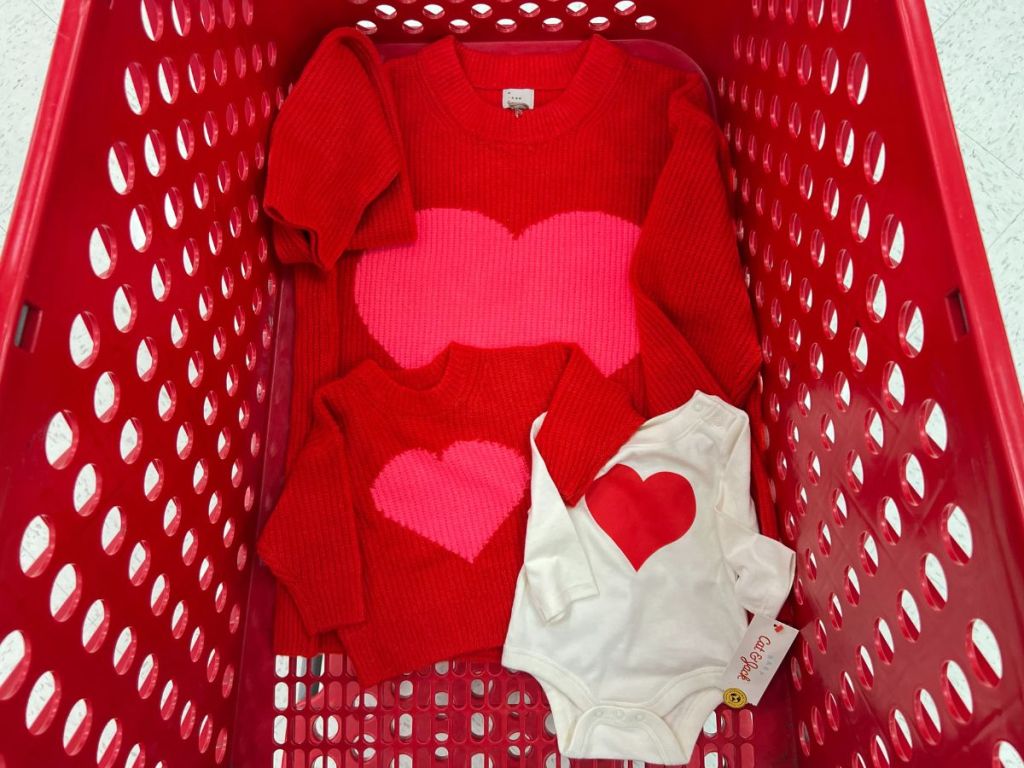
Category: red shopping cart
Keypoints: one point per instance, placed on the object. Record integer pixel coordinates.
(144, 383)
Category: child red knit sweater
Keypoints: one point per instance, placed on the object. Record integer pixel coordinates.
(402, 523)
(598, 218)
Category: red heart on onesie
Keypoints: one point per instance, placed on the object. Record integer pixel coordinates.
(642, 516)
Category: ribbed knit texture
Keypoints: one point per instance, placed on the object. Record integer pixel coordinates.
(616, 145)
(324, 209)
(402, 522)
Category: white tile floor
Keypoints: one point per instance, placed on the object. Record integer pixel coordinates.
(981, 46)
(26, 36)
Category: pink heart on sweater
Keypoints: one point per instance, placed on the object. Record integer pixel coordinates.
(468, 279)
(457, 500)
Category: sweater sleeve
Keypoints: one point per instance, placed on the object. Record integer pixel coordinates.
(763, 567)
(697, 329)
(555, 565)
(588, 420)
(316, 345)
(686, 270)
(310, 541)
(336, 164)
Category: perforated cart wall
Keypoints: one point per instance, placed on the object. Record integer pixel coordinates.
(144, 373)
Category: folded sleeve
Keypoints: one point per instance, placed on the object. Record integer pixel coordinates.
(335, 153)
(589, 418)
(555, 565)
(310, 541)
(763, 567)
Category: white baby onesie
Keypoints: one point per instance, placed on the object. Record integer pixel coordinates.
(630, 604)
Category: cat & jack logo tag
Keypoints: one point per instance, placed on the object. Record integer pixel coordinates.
(755, 662)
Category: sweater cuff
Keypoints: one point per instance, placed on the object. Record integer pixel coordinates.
(323, 609)
(321, 606)
(589, 419)
(340, 221)
(324, 222)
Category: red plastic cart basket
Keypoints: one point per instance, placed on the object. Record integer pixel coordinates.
(144, 375)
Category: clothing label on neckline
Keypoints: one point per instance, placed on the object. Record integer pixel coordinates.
(757, 659)
(517, 99)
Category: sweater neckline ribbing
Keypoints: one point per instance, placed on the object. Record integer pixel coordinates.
(441, 385)
(586, 74)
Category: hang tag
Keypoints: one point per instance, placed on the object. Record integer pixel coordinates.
(757, 659)
(517, 99)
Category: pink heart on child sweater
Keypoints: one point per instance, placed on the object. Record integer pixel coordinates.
(468, 279)
(457, 500)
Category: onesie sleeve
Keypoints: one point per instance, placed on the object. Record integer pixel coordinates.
(555, 566)
(763, 567)
(589, 418)
(335, 158)
(310, 541)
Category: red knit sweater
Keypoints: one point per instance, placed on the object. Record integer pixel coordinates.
(599, 218)
(402, 522)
